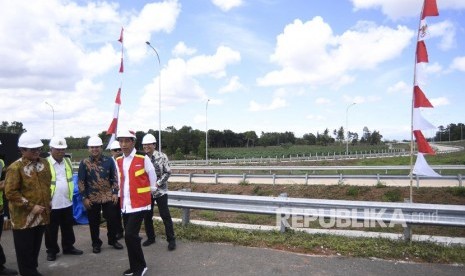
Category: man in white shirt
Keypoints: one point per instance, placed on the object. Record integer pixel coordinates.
(62, 189)
(137, 183)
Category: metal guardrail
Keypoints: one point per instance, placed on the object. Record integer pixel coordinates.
(189, 177)
(299, 157)
(310, 168)
(364, 212)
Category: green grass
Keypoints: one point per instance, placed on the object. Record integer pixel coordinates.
(323, 244)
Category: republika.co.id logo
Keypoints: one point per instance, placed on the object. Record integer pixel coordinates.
(354, 218)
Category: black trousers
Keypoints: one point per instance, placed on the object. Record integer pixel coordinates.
(132, 224)
(119, 223)
(27, 246)
(60, 219)
(162, 204)
(2, 254)
(110, 213)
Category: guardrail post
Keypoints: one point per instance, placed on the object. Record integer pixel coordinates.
(282, 226)
(216, 178)
(186, 212)
(190, 178)
(243, 177)
(418, 181)
(306, 178)
(408, 229)
(274, 178)
(460, 179)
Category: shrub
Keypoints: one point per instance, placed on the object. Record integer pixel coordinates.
(394, 195)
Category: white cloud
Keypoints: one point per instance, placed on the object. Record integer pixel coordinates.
(233, 85)
(143, 24)
(445, 30)
(277, 103)
(458, 64)
(397, 9)
(322, 101)
(309, 53)
(315, 117)
(226, 5)
(400, 87)
(214, 65)
(441, 101)
(182, 50)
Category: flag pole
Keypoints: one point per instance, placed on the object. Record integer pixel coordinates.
(413, 104)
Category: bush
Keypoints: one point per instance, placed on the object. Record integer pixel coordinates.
(393, 195)
(353, 191)
(457, 191)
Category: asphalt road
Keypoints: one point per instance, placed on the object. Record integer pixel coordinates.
(192, 258)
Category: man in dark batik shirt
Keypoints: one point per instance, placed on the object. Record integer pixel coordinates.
(98, 186)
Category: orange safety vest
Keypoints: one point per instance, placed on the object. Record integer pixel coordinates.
(139, 183)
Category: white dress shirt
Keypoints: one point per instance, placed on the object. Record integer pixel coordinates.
(60, 198)
(149, 169)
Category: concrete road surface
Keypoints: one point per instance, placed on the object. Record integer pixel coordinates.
(192, 258)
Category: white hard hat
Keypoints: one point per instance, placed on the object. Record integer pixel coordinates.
(126, 133)
(94, 141)
(148, 139)
(29, 141)
(115, 145)
(58, 143)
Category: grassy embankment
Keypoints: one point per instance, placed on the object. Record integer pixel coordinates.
(326, 244)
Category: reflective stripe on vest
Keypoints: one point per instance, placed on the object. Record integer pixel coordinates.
(69, 177)
(139, 183)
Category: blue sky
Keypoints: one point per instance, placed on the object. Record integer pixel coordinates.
(265, 65)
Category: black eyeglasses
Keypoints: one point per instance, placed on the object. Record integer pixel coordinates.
(116, 150)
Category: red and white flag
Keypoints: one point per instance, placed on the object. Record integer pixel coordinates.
(422, 168)
(419, 99)
(112, 129)
(430, 8)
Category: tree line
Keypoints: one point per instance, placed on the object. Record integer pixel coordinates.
(192, 141)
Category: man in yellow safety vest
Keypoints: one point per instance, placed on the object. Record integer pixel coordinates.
(62, 188)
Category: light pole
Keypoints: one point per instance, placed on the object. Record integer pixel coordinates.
(53, 118)
(159, 96)
(206, 131)
(347, 128)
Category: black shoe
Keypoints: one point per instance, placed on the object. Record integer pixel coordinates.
(128, 272)
(119, 236)
(73, 251)
(96, 249)
(148, 242)
(7, 271)
(50, 257)
(172, 245)
(116, 245)
(140, 273)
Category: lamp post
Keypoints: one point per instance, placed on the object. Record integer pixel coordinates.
(206, 131)
(53, 118)
(159, 96)
(347, 128)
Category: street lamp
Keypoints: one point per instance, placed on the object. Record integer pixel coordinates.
(159, 97)
(347, 128)
(53, 118)
(206, 131)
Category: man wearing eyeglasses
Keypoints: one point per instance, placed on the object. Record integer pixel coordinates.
(62, 189)
(27, 188)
